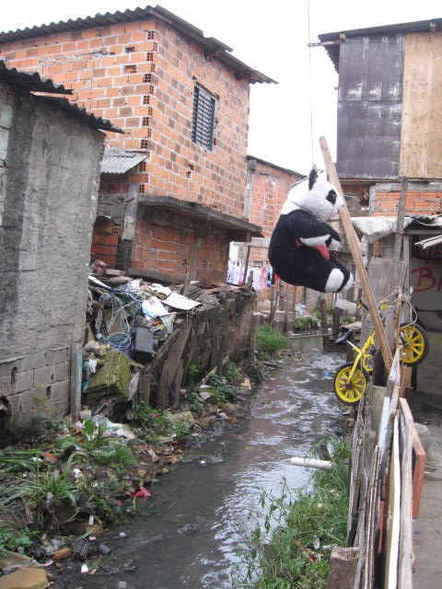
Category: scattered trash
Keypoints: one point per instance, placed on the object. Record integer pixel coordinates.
(122, 535)
(62, 553)
(84, 569)
(142, 492)
(80, 548)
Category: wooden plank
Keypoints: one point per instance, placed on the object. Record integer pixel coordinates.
(420, 457)
(406, 534)
(355, 248)
(421, 140)
(342, 568)
(393, 518)
(372, 518)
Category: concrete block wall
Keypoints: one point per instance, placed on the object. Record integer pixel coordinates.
(52, 171)
(142, 75)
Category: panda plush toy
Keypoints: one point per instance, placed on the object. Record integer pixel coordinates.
(299, 246)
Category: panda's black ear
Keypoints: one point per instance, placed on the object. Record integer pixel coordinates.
(313, 176)
(331, 197)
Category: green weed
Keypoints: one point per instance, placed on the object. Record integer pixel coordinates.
(291, 548)
(269, 341)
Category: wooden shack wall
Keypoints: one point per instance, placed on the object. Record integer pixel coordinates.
(369, 106)
(421, 141)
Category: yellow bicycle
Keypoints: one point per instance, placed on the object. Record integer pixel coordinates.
(351, 380)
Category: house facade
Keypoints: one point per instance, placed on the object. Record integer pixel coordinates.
(182, 100)
(50, 152)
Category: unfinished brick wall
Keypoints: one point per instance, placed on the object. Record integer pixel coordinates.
(171, 245)
(105, 239)
(269, 187)
(417, 203)
(141, 75)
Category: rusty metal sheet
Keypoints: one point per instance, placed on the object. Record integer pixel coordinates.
(369, 107)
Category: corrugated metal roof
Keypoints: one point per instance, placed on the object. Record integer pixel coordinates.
(211, 46)
(120, 161)
(32, 82)
(421, 26)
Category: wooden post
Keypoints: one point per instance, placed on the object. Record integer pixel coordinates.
(75, 384)
(400, 220)
(355, 248)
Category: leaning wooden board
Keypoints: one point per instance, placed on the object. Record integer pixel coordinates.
(355, 248)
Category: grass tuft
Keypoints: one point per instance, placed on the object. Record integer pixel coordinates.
(291, 548)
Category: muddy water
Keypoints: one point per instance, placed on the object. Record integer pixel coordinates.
(206, 507)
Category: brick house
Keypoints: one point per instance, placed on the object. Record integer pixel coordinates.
(50, 152)
(267, 189)
(182, 100)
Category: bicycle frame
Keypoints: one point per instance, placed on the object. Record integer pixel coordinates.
(360, 353)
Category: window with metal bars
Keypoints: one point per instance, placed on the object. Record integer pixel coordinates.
(203, 123)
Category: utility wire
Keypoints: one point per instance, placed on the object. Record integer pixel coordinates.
(310, 82)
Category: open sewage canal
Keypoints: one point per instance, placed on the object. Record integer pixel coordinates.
(203, 511)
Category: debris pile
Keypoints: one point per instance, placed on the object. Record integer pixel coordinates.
(129, 321)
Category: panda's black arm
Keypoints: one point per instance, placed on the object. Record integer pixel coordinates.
(311, 231)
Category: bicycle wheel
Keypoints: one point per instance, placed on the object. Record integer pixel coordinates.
(348, 390)
(415, 344)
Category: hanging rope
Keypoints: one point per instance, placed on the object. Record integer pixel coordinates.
(310, 83)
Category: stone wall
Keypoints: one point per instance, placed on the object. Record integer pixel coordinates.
(49, 184)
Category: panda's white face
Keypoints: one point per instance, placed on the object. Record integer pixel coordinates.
(316, 195)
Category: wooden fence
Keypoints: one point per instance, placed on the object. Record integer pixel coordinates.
(386, 483)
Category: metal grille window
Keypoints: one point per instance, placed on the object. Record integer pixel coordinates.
(203, 123)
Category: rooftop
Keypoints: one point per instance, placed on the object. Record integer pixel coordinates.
(332, 40)
(212, 47)
(33, 83)
(251, 158)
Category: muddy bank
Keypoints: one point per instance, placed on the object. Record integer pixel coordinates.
(201, 513)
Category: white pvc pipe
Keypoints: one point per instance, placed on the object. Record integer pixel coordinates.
(310, 462)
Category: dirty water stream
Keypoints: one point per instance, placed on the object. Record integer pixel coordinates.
(204, 509)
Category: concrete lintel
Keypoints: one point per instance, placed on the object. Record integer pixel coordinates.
(413, 186)
(198, 211)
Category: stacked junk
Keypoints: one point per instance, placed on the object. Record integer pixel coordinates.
(128, 320)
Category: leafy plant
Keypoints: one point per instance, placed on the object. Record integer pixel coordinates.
(193, 376)
(232, 373)
(14, 539)
(51, 495)
(222, 390)
(269, 341)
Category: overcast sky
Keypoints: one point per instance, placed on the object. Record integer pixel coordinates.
(272, 37)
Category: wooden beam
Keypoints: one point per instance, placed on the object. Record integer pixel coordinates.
(393, 519)
(400, 220)
(355, 248)
(418, 449)
(406, 535)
